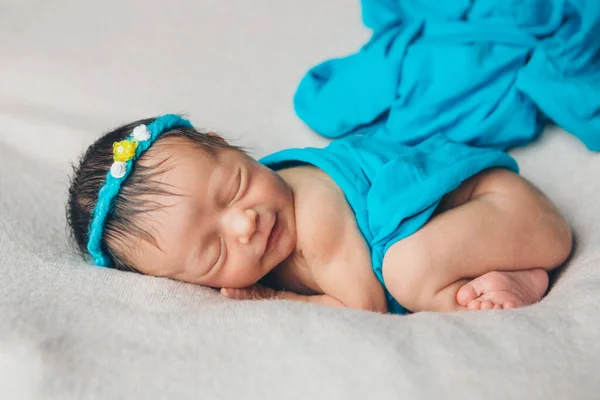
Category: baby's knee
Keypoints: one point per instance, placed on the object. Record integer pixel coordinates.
(533, 214)
(558, 237)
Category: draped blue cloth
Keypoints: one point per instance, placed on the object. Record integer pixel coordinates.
(488, 73)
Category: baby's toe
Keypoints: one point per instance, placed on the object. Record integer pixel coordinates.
(497, 307)
(487, 305)
(466, 294)
(474, 305)
(237, 294)
(509, 304)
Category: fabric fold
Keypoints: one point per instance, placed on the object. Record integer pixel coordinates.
(482, 72)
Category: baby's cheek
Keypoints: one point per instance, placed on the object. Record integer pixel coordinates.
(240, 276)
(185, 276)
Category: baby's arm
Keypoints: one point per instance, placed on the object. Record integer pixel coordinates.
(335, 258)
(259, 292)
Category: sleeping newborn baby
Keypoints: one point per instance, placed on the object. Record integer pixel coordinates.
(364, 223)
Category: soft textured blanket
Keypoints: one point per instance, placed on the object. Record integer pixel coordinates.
(70, 70)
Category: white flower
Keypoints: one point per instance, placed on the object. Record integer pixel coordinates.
(118, 169)
(141, 133)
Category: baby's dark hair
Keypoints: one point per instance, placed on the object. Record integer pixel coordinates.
(90, 174)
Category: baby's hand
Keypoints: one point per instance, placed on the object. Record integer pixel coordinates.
(254, 292)
(260, 292)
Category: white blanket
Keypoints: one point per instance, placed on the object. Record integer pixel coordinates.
(71, 70)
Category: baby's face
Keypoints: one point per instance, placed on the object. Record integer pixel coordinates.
(229, 224)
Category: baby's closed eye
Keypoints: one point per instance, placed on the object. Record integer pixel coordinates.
(236, 187)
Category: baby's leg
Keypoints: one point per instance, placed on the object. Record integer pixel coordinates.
(495, 221)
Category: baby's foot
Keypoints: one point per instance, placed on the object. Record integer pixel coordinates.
(502, 290)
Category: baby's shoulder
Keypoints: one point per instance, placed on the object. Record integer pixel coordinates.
(321, 209)
(306, 176)
(335, 252)
(325, 221)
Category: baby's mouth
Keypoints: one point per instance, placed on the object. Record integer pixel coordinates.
(273, 236)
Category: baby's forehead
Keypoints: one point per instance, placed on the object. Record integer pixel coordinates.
(175, 148)
(193, 173)
(179, 155)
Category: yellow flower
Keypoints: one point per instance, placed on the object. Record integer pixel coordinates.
(124, 150)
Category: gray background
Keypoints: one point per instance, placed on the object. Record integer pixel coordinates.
(70, 70)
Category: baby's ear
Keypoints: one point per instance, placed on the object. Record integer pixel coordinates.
(216, 136)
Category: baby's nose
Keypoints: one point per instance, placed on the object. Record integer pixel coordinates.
(242, 224)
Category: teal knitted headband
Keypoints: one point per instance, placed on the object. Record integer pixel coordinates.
(125, 153)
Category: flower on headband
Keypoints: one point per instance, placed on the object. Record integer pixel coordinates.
(118, 169)
(141, 133)
(124, 150)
